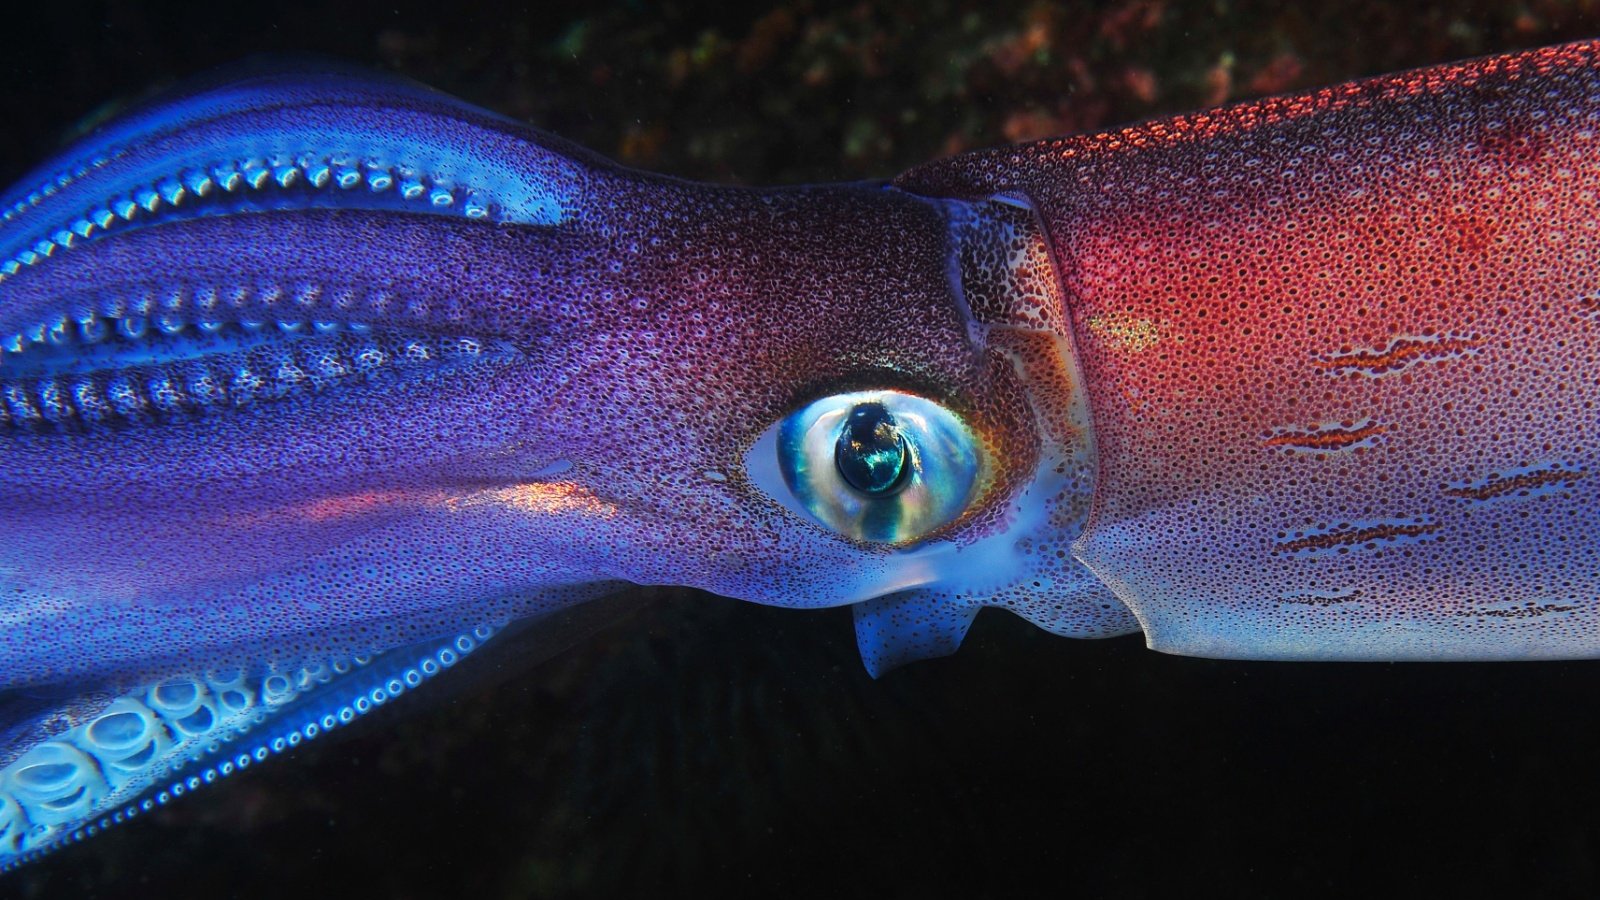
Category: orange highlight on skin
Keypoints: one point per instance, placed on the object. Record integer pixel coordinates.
(543, 498)
(325, 510)
(344, 506)
(1125, 332)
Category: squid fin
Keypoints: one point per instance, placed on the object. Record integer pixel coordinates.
(901, 628)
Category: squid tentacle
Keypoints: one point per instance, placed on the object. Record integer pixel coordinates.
(156, 742)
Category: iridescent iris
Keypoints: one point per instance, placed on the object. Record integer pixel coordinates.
(879, 466)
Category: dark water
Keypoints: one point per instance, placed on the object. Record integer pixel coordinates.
(708, 747)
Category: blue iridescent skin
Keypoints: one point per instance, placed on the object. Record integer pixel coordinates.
(311, 382)
(306, 367)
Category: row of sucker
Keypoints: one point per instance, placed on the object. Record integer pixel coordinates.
(136, 311)
(279, 181)
(138, 370)
(55, 185)
(158, 742)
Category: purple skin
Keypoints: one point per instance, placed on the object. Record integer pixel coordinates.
(311, 382)
(635, 340)
(300, 368)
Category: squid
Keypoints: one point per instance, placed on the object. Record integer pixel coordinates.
(314, 381)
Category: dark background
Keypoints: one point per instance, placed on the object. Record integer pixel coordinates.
(710, 747)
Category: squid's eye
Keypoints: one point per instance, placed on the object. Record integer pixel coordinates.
(878, 466)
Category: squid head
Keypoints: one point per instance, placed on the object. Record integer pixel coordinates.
(331, 361)
(313, 381)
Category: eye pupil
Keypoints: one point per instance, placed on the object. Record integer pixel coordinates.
(871, 453)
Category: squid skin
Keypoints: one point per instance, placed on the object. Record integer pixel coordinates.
(1339, 349)
(312, 382)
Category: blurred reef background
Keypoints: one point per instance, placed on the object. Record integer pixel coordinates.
(786, 92)
(699, 746)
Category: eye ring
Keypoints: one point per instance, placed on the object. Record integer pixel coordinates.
(878, 466)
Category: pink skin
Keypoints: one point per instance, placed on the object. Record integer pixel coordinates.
(1339, 349)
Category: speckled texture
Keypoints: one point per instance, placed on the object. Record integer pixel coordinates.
(380, 368)
(633, 335)
(1024, 758)
(1337, 351)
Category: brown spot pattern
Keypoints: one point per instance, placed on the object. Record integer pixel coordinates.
(1500, 485)
(1352, 535)
(1341, 436)
(1401, 353)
